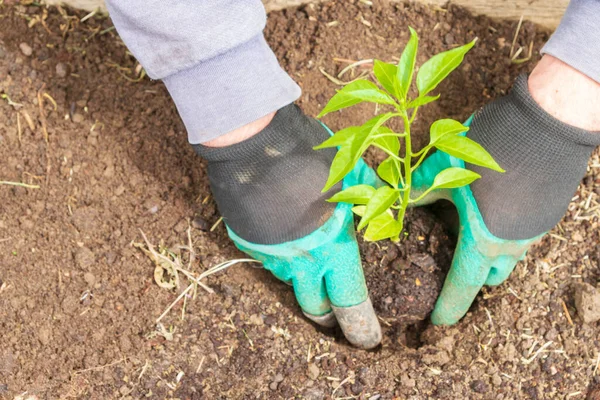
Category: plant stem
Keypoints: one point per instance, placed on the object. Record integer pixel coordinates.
(389, 153)
(421, 158)
(407, 168)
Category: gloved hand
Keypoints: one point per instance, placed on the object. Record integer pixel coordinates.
(268, 189)
(501, 215)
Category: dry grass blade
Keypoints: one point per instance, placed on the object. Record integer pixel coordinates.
(172, 265)
(337, 81)
(354, 65)
(512, 46)
(25, 185)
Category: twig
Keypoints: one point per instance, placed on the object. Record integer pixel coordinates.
(99, 367)
(200, 365)
(567, 314)
(42, 113)
(19, 129)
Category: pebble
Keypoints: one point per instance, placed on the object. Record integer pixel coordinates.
(314, 394)
(44, 335)
(479, 386)
(89, 278)
(200, 224)
(278, 378)
(124, 390)
(61, 70)
(26, 49)
(587, 301)
(273, 385)
(313, 371)
(78, 118)
(85, 258)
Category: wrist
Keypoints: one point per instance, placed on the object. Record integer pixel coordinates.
(565, 93)
(242, 133)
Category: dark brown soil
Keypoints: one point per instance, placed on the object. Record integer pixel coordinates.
(78, 302)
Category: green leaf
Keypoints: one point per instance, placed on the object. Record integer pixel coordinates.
(382, 227)
(406, 66)
(354, 93)
(454, 177)
(390, 143)
(467, 150)
(388, 171)
(422, 100)
(383, 198)
(359, 210)
(438, 67)
(349, 153)
(443, 127)
(359, 194)
(340, 137)
(387, 75)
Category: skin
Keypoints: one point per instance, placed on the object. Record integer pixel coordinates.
(566, 94)
(561, 90)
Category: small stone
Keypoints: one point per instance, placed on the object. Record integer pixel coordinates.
(255, 319)
(479, 386)
(576, 236)
(78, 118)
(124, 390)
(200, 224)
(356, 388)
(26, 49)
(496, 380)
(314, 394)
(89, 278)
(313, 371)
(587, 301)
(84, 258)
(278, 378)
(408, 382)
(44, 334)
(61, 70)
(273, 385)
(449, 39)
(181, 226)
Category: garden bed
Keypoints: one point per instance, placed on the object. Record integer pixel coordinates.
(78, 302)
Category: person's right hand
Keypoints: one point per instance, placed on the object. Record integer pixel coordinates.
(268, 189)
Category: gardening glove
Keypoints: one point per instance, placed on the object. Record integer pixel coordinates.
(268, 190)
(502, 214)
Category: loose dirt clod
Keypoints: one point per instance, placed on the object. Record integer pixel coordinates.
(587, 301)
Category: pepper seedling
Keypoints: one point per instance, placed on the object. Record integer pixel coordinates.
(382, 209)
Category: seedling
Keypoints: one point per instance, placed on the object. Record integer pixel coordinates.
(382, 209)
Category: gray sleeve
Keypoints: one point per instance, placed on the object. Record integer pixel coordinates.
(576, 41)
(212, 57)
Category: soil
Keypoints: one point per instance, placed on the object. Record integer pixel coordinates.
(78, 302)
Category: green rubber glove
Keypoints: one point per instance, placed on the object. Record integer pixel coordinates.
(325, 270)
(480, 257)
